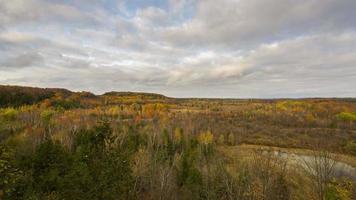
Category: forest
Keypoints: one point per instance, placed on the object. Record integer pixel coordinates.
(59, 144)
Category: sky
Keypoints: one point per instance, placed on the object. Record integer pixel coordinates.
(182, 48)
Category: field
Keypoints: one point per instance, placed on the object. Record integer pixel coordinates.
(58, 144)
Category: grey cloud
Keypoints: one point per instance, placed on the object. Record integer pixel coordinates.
(23, 60)
(33, 12)
(301, 63)
(99, 79)
(238, 24)
(19, 51)
(246, 48)
(333, 51)
(307, 66)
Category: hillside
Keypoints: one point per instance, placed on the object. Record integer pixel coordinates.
(19, 95)
(135, 94)
(15, 96)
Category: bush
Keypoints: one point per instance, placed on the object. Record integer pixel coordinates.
(9, 114)
(346, 116)
(47, 115)
(351, 147)
(96, 168)
(50, 163)
(9, 174)
(188, 174)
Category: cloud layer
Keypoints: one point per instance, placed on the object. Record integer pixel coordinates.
(229, 48)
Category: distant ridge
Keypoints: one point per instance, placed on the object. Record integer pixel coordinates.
(16, 88)
(15, 96)
(20, 95)
(143, 94)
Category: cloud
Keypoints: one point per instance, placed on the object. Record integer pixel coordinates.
(206, 68)
(48, 12)
(230, 48)
(238, 24)
(151, 16)
(23, 60)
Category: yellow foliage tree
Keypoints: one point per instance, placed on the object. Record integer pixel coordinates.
(206, 138)
(178, 135)
(9, 114)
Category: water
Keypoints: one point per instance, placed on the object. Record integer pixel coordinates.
(308, 162)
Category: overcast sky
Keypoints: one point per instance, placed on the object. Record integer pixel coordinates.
(182, 48)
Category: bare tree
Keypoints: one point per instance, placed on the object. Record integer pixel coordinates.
(321, 169)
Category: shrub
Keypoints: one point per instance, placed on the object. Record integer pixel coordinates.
(50, 164)
(9, 114)
(206, 138)
(346, 116)
(9, 174)
(47, 115)
(351, 147)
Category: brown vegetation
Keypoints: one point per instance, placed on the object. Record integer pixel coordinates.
(158, 147)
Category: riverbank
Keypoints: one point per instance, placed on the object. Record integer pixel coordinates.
(246, 150)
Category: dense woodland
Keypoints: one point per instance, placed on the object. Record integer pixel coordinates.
(58, 144)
